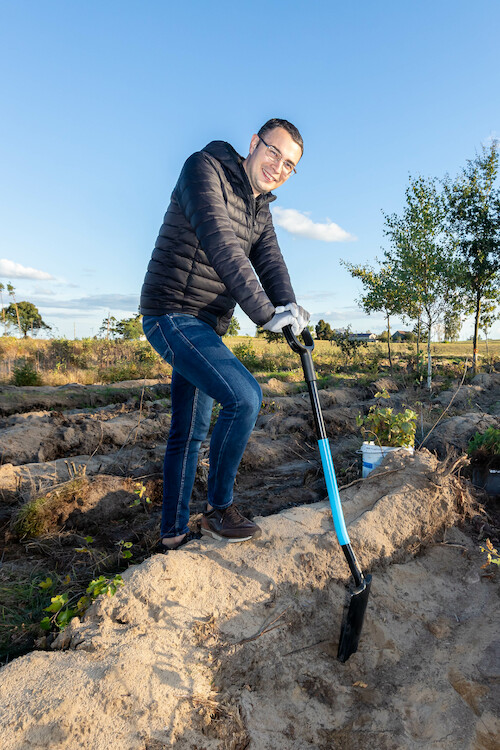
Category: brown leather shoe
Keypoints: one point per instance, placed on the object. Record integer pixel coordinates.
(229, 525)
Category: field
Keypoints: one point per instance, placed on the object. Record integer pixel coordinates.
(226, 646)
(90, 361)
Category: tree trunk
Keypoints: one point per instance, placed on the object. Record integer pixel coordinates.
(476, 333)
(429, 359)
(417, 364)
(389, 343)
(18, 319)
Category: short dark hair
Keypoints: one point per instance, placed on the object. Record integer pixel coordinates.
(276, 122)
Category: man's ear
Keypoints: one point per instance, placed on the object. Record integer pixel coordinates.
(253, 143)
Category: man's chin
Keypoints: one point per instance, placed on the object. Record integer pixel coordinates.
(266, 187)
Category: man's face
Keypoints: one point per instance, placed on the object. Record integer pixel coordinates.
(265, 173)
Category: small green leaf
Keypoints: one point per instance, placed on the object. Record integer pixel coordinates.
(64, 617)
(57, 603)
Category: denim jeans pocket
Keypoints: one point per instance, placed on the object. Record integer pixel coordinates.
(158, 340)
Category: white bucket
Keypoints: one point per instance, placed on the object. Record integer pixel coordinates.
(373, 454)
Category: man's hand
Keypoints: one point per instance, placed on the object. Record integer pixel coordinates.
(301, 316)
(280, 320)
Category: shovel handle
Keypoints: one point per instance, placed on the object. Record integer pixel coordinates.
(296, 345)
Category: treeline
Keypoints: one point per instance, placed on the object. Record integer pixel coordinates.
(443, 260)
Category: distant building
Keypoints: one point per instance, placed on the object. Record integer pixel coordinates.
(363, 336)
(400, 335)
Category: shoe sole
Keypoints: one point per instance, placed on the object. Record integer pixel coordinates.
(231, 540)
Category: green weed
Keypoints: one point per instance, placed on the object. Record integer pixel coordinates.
(63, 607)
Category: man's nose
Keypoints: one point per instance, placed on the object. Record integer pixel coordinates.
(277, 168)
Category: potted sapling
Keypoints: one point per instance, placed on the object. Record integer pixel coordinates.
(484, 452)
(385, 430)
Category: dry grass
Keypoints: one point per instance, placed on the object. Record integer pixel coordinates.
(90, 361)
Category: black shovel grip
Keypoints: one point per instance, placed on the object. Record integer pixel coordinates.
(296, 345)
(304, 349)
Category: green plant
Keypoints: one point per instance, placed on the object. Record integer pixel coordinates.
(25, 373)
(247, 356)
(387, 427)
(124, 549)
(60, 609)
(140, 492)
(485, 442)
(215, 414)
(484, 449)
(348, 346)
(22, 602)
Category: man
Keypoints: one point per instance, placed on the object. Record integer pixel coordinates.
(217, 247)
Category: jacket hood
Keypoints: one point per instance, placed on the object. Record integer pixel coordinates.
(233, 162)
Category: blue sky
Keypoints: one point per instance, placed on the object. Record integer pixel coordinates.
(102, 102)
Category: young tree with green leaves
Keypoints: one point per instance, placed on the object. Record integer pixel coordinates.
(25, 317)
(473, 213)
(323, 330)
(452, 322)
(382, 293)
(422, 257)
(108, 328)
(129, 329)
(347, 344)
(12, 294)
(490, 312)
(234, 327)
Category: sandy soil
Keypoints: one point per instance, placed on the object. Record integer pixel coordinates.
(234, 646)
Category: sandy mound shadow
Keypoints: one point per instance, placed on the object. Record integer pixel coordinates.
(230, 646)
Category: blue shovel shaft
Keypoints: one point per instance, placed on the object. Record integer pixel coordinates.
(333, 492)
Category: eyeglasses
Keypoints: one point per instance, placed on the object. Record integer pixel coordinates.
(274, 155)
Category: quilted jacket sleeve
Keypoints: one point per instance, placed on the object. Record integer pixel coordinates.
(268, 261)
(199, 193)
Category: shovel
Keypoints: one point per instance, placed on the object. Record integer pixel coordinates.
(358, 594)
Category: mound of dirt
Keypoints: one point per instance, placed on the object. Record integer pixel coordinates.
(14, 399)
(46, 436)
(233, 646)
(456, 432)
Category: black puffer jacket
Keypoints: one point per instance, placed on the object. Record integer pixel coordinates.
(214, 231)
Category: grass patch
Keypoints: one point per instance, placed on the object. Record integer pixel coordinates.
(22, 609)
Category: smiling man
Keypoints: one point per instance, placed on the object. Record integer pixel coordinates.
(217, 247)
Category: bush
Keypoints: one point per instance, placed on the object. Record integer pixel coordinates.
(484, 448)
(25, 374)
(247, 356)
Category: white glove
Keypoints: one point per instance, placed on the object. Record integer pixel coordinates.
(280, 320)
(302, 316)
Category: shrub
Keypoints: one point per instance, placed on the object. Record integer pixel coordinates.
(247, 356)
(484, 448)
(25, 373)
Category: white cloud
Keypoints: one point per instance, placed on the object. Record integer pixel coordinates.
(11, 270)
(300, 224)
(96, 302)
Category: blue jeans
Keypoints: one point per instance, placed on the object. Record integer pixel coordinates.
(204, 370)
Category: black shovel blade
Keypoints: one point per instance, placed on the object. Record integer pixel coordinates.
(352, 622)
